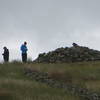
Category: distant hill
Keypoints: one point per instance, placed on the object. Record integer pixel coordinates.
(75, 53)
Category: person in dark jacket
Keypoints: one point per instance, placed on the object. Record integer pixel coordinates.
(24, 52)
(6, 54)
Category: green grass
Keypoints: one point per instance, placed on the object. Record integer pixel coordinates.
(86, 74)
(14, 85)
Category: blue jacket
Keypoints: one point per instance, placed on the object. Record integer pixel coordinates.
(24, 48)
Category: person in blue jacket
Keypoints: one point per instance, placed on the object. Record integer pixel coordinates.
(24, 51)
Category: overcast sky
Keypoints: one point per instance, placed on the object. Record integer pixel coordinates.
(48, 24)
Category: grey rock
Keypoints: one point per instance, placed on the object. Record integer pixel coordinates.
(68, 87)
(75, 53)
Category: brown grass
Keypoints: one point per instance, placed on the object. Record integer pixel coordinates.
(5, 94)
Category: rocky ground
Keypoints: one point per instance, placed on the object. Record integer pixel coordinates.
(75, 53)
(68, 87)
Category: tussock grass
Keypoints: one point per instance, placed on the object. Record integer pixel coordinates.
(14, 85)
(5, 95)
(85, 74)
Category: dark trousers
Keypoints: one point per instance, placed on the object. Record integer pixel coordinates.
(24, 57)
(6, 58)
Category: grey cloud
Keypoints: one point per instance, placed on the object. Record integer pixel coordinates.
(48, 24)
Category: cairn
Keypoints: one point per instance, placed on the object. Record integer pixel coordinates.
(75, 53)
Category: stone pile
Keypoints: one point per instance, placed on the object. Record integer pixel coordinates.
(68, 87)
(75, 53)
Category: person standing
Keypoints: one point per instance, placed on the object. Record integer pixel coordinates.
(6, 54)
(24, 52)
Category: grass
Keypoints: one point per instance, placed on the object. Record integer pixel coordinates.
(14, 85)
(86, 74)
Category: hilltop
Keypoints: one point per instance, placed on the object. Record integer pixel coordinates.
(75, 53)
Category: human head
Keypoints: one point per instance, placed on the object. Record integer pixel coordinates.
(25, 43)
(4, 48)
